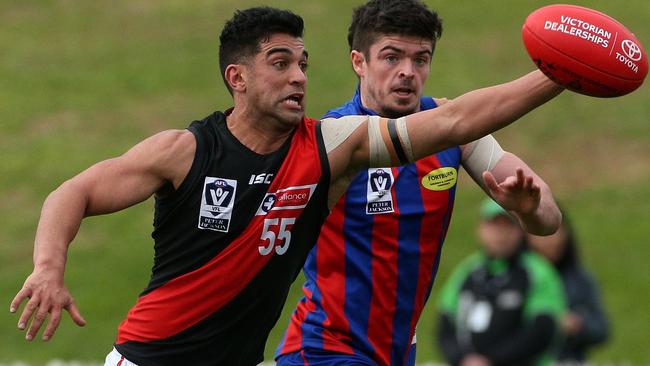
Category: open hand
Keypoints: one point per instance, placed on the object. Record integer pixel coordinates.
(47, 296)
(516, 193)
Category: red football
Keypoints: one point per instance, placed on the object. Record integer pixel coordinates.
(584, 50)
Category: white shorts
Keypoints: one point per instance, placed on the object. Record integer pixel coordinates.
(116, 359)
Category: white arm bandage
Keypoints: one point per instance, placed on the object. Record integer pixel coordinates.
(379, 155)
(335, 131)
(389, 142)
(404, 137)
(481, 155)
(388, 139)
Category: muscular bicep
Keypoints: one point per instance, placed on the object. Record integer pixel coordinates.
(115, 184)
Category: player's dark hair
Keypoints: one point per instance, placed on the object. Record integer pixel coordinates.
(241, 36)
(398, 17)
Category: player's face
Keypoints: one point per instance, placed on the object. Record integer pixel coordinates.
(394, 73)
(499, 236)
(276, 81)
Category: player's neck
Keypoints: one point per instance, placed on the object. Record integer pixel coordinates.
(261, 135)
(367, 102)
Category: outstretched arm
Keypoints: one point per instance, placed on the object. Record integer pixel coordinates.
(478, 113)
(106, 187)
(467, 118)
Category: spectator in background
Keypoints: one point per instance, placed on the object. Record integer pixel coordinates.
(585, 323)
(502, 305)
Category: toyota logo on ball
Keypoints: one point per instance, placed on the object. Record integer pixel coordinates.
(631, 50)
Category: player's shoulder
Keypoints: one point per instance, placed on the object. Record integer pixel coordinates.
(346, 109)
(430, 102)
(209, 122)
(333, 114)
(174, 138)
(171, 145)
(336, 121)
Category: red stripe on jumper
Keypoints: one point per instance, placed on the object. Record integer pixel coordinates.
(186, 300)
(190, 298)
(292, 341)
(330, 275)
(384, 281)
(432, 230)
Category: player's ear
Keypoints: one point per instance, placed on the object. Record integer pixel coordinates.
(235, 77)
(358, 62)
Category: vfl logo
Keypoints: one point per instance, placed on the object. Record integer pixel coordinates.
(378, 195)
(218, 193)
(631, 50)
(380, 181)
(217, 203)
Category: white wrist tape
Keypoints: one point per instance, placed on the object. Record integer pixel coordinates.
(483, 155)
(379, 155)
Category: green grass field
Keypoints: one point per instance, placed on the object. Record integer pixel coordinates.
(82, 81)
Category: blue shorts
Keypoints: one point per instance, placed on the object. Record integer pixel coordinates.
(319, 357)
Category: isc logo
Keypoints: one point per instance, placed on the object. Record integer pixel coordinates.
(263, 178)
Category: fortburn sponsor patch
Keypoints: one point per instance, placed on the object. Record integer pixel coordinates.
(440, 179)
